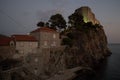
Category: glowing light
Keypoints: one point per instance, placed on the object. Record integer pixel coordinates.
(85, 19)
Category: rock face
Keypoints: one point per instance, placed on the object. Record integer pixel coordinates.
(88, 48)
(89, 42)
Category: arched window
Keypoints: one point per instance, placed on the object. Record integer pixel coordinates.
(12, 43)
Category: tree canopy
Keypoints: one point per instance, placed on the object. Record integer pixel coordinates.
(57, 21)
(40, 24)
(75, 19)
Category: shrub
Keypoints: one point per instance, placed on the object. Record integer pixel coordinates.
(67, 41)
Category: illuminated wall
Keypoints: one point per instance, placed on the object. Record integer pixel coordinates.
(88, 15)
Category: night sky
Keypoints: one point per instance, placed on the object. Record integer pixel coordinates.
(21, 16)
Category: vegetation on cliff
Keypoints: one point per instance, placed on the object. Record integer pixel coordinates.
(86, 43)
(56, 22)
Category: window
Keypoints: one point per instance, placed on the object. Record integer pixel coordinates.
(54, 36)
(45, 43)
(11, 43)
(36, 59)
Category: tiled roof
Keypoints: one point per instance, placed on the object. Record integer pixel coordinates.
(43, 29)
(4, 41)
(23, 38)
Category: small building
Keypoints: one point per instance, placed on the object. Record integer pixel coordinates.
(24, 44)
(47, 38)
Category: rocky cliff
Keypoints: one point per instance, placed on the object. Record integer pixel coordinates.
(86, 45)
(86, 41)
(89, 47)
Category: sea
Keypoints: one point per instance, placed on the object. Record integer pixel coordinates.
(110, 69)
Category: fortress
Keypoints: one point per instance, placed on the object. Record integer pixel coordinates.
(88, 15)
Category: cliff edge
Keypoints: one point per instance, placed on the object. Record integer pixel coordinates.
(88, 48)
(86, 41)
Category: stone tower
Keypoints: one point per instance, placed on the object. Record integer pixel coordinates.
(88, 15)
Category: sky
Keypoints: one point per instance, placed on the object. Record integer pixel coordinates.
(21, 16)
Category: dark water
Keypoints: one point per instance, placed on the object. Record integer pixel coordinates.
(110, 70)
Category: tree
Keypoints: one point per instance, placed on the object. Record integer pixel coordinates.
(57, 21)
(47, 24)
(76, 20)
(89, 24)
(40, 24)
(67, 41)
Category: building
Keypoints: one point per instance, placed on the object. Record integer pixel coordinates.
(88, 15)
(48, 41)
(35, 50)
(47, 38)
(24, 44)
(6, 47)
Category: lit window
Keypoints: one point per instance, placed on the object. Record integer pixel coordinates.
(45, 43)
(36, 59)
(54, 36)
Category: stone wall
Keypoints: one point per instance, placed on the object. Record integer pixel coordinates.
(6, 52)
(47, 39)
(46, 61)
(25, 47)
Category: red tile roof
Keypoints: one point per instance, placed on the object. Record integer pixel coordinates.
(43, 29)
(23, 38)
(4, 41)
